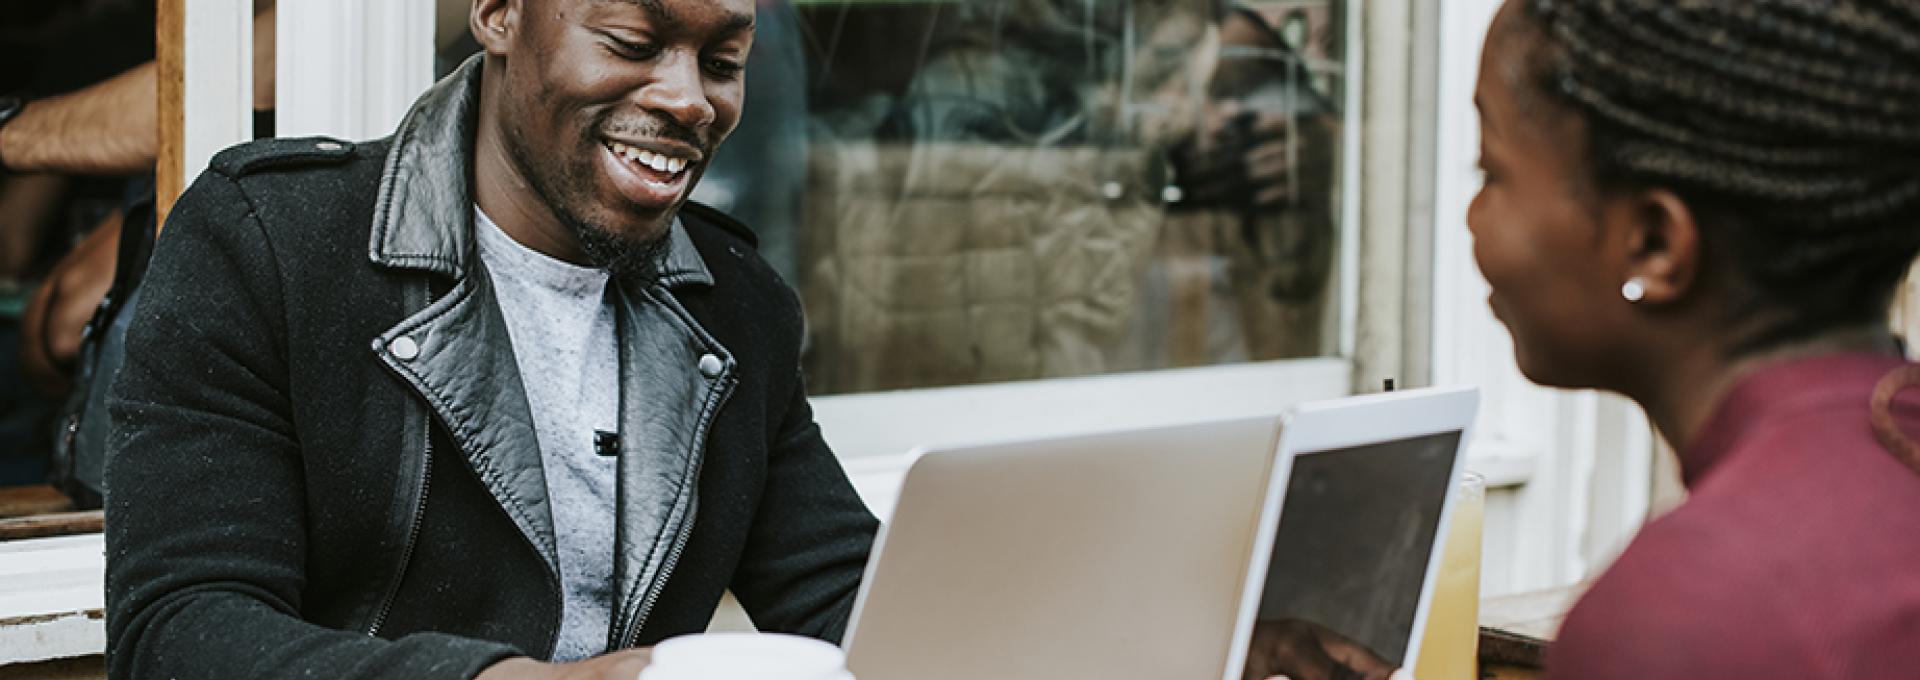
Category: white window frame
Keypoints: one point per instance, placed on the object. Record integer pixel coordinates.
(351, 68)
(218, 69)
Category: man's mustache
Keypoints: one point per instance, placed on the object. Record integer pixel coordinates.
(658, 128)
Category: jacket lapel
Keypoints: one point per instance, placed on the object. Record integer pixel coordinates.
(675, 377)
(458, 356)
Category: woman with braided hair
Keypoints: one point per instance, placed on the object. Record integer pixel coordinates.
(1707, 206)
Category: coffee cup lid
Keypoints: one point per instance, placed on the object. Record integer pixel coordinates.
(745, 656)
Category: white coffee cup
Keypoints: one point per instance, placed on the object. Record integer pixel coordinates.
(746, 656)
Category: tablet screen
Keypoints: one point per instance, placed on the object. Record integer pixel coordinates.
(1356, 529)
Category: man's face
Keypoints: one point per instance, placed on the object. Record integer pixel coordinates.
(612, 108)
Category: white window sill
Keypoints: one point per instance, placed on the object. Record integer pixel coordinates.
(52, 599)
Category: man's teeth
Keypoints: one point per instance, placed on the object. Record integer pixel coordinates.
(658, 162)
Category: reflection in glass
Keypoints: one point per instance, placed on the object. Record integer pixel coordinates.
(972, 191)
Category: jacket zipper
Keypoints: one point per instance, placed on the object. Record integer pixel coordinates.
(659, 585)
(413, 533)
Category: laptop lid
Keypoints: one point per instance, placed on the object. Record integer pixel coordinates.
(1113, 555)
(1351, 537)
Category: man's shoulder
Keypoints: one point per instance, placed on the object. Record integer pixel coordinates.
(704, 220)
(730, 249)
(307, 172)
(286, 154)
(303, 195)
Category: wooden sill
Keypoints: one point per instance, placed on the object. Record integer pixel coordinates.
(22, 501)
(56, 524)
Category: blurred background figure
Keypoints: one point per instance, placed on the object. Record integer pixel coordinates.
(79, 109)
(78, 138)
(1246, 257)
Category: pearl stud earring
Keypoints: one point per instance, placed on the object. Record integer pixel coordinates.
(1635, 290)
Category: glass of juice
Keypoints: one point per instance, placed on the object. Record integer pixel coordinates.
(1449, 649)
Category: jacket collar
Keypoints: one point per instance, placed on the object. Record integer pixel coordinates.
(423, 213)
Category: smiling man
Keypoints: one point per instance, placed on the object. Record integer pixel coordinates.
(485, 398)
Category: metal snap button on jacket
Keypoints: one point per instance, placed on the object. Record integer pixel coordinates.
(404, 348)
(710, 366)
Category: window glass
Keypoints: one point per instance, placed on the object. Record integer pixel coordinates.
(975, 191)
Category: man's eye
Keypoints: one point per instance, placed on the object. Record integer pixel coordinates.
(633, 50)
(724, 68)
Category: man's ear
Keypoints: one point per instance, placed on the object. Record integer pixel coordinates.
(493, 23)
(1663, 250)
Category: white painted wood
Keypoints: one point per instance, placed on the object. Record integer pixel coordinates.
(67, 636)
(1624, 473)
(884, 423)
(51, 598)
(1387, 27)
(218, 66)
(1352, 166)
(350, 68)
(878, 478)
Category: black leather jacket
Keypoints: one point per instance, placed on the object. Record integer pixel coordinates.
(323, 462)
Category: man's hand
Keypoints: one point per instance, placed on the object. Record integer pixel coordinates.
(1301, 650)
(621, 665)
(60, 309)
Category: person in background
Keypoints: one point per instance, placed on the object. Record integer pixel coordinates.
(1707, 207)
(105, 135)
(67, 66)
(1246, 253)
(487, 398)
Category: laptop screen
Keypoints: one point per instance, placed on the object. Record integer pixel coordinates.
(1356, 529)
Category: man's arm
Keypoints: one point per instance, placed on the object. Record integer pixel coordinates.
(206, 511)
(108, 128)
(811, 535)
(113, 127)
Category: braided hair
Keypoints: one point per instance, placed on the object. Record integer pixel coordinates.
(1791, 128)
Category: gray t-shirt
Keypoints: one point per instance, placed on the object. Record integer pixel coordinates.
(563, 333)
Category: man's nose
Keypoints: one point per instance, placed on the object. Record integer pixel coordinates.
(678, 91)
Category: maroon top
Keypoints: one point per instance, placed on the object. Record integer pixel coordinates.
(1797, 555)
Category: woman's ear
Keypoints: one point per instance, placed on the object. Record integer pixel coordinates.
(493, 23)
(1663, 251)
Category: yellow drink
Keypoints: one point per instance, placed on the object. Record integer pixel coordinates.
(1449, 649)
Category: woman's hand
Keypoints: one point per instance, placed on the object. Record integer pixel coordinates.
(1301, 650)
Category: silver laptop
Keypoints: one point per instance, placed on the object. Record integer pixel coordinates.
(1151, 554)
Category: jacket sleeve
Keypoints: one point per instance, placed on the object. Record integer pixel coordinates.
(206, 527)
(810, 538)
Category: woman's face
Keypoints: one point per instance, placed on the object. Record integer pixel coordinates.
(1538, 226)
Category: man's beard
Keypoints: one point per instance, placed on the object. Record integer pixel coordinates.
(625, 258)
